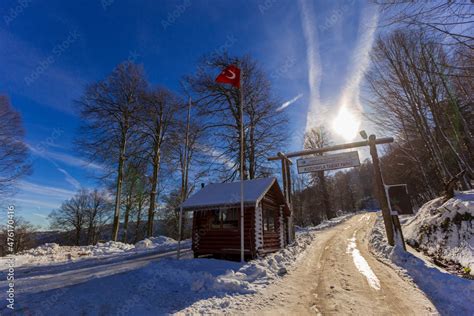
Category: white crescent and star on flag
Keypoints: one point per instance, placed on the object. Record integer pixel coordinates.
(229, 74)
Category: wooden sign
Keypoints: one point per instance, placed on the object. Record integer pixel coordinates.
(328, 162)
(399, 201)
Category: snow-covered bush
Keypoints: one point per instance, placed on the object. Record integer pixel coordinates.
(54, 253)
(153, 242)
(43, 250)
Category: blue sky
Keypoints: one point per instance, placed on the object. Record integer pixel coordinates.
(315, 53)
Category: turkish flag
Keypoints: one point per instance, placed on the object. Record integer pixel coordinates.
(231, 75)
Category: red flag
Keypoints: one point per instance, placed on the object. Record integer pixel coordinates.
(231, 75)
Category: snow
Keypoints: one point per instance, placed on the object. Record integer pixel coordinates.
(218, 194)
(256, 275)
(162, 242)
(54, 253)
(361, 264)
(445, 230)
(451, 294)
(145, 287)
(325, 224)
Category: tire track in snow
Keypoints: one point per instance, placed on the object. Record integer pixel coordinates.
(361, 264)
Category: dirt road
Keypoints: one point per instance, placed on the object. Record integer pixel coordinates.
(340, 276)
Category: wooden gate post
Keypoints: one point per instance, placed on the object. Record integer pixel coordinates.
(286, 177)
(380, 191)
(392, 223)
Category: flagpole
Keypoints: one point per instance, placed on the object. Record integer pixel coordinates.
(185, 174)
(228, 75)
(242, 244)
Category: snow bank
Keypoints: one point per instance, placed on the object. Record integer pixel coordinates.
(452, 295)
(154, 242)
(54, 253)
(445, 230)
(324, 224)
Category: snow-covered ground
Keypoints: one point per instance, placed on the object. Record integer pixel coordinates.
(451, 294)
(258, 274)
(158, 287)
(445, 231)
(53, 253)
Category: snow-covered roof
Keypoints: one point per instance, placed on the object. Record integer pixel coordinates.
(218, 194)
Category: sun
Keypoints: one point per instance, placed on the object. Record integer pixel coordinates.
(346, 124)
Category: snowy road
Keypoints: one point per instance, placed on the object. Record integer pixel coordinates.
(339, 276)
(39, 279)
(31, 280)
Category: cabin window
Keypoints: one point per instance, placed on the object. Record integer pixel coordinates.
(226, 218)
(216, 221)
(269, 220)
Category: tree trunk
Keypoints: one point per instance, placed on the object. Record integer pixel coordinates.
(242, 149)
(251, 151)
(154, 186)
(137, 227)
(78, 236)
(325, 195)
(118, 192)
(125, 223)
(90, 233)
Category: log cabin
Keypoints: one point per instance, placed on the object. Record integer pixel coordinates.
(216, 219)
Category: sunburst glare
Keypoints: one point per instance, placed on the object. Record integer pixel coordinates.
(346, 124)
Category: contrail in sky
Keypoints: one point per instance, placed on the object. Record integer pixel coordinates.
(290, 102)
(360, 61)
(70, 179)
(313, 59)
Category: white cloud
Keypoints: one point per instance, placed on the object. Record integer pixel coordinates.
(313, 60)
(65, 158)
(350, 108)
(360, 60)
(36, 203)
(27, 58)
(43, 190)
(40, 215)
(70, 179)
(219, 156)
(288, 103)
(73, 161)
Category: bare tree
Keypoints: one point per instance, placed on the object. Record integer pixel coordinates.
(97, 213)
(13, 150)
(219, 113)
(109, 111)
(172, 202)
(71, 216)
(84, 215)
(314, 139)
(157, 116)
(134, 191)
(185, 143)
(24, 236)
(412, 97)
(449, 19)
(141, 198)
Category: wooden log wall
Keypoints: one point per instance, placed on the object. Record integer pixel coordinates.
(208, 240)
